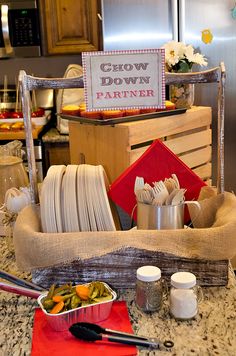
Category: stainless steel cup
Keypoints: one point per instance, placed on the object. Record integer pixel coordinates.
(152, 217)
(164, 217)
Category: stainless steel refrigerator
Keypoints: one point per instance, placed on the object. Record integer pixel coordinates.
(139, 24)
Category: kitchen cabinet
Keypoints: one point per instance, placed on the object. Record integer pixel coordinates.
(70, 26)
(55, 149)
(56, 153)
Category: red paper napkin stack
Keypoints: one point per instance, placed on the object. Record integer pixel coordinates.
(157, 163)
(47, 341)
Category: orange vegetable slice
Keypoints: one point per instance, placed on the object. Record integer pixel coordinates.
(82, 292)
(57, 298)
(57, 308)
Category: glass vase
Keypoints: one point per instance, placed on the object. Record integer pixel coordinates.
(182, 95)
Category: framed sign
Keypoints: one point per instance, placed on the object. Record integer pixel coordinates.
(124, 79)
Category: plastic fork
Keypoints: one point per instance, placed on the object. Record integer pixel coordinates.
(160, 193)
(179, 197)
(139, 184)
(170, 184)
(174, 176)
(144, 196)
(171, 196)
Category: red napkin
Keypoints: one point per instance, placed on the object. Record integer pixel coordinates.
(47, 341)
(157, 163)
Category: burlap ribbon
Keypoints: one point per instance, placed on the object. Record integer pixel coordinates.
(214, 237)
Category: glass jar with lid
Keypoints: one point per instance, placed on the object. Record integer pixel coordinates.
(12, 174)
(184, 296)
(149, 288)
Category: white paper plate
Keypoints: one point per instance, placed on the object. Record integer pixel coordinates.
(74, 198)
(60, 170)
(82, 203)
(47, 203)
(105, 205)
(90, 173)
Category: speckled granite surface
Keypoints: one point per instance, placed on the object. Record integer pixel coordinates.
(53, 135)
(211, 333)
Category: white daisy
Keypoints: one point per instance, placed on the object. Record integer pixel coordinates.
(189, 53)
(177, 52)
(174, 52)
(199, 59)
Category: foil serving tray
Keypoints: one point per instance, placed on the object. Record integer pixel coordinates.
(119, 120)
(91, 313)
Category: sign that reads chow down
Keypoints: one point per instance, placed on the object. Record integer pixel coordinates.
(124, 79)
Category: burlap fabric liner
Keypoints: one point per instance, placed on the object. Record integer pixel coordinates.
(213, 239)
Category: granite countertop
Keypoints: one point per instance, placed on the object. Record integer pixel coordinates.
(54, 136)
(211, 333)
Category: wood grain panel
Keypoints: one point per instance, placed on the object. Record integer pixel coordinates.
(135, 154)
(197, 158)
(70, 20)
(111, 145)
(71, 26)
(204, 171)
(119, 269)
(56, 153)
(188, 142)
(99, 145)
(140, 131)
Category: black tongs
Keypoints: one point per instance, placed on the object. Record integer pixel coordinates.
(93, 332)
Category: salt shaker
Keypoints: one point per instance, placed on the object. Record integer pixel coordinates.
(149, 288)
(184, 296)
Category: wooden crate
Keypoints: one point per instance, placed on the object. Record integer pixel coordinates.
(116, 147)
(119, 269)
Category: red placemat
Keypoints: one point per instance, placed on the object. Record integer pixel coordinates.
(47, 341)
(156, 163)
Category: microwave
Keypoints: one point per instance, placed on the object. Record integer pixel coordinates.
(19, 29)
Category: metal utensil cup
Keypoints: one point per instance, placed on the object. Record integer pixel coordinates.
(164, 217)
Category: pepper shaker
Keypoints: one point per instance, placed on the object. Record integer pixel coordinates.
(149, 288)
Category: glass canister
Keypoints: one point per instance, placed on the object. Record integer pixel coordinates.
(149, 288)
(12, 174)
(184, 296)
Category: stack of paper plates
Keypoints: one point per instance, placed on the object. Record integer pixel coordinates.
(74, 198)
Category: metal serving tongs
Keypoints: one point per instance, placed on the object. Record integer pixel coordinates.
(19, 286)
(93, 332)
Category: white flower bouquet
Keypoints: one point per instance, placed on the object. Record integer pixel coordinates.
(180, 57)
